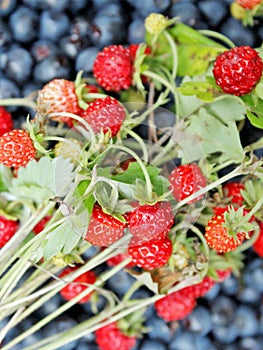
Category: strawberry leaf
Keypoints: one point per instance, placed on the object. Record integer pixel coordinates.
(42, 180)
(5, 178)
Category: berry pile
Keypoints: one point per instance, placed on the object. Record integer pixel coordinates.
(131, 191)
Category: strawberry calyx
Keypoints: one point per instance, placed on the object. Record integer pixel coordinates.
(235, 221)
(132, 324)
(80, 88)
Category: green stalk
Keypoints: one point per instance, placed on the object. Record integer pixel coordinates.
(140, 142)
(218, 36)
(18, 102)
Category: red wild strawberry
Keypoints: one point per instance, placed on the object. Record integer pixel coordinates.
(6, 121)
(59, 95)
(105, 114)
(91, 89)
(233, 190)
(258, 245)
(16, 148)
(103, 228)
(218, 236)
(111, 337)
(238, 70)
(117, 259)
(113, 68)
(7, 230)
(133, 50)
(41, 224)
(248, 4)
(147, 222)
(79, 284)
(151, 254)
(175, 306)
(185, 180)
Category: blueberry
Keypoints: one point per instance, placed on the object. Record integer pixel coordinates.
(24, 24)
(253, 275)
(107, 31)
(101, 3)
(249, 295)
(54, 66)
(53, 5)
(249, 343)
(149, 344)
(114, 10)
(76, 6)
(7, 6)
(213, 293)
(230, 286)
(149, 6)
(246, 321)
(235, 31)
(53, 26)
(187, 12)
(120, 283)
(8, 88)
(19, 64)
(5, 34)
(136, 31)
(85, 59)
(199, 321)
(42, 48)
(213, 11)
(190, 341)
(225, 334)
(30, 88)
(223, 311)
(158, 330)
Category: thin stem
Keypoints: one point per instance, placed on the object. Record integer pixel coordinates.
(140, 142)
(174, 52)
(218, 36)
(18, 102)
(161, 80)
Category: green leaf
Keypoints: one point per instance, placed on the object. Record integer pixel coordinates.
(134, 172)
(216, 137)
(255, 120)
(201, 89)
(44, 179)
(231, 104)
(254, 110)
(5, 178)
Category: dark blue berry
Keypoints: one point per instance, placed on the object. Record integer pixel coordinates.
(54, 66)
(53, 26)
(43, 48)
(187, 12)
(24, 24)
(213, 11)
(7, 6)
(158, 330)
(136, 31)
(85, 59)
(239, 34)
(19, 64)
(149, 344)
(199, 321)
(246, 321)
(253, 274)
(5, 34)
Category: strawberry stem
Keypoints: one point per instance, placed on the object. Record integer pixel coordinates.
(219, 36)
(24, 102)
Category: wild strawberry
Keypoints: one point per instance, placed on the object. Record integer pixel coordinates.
(16, 148)
(258, 245)
(133, 50)
(105, 114)
(220, 237)
(248, 4)
(78, 285)
(91, 89)
(185, 180)
(6, 121)
(59, 95)
(41, 224)
(238, 70)
(233, 190)
(151, 254)
(175, 306)
(7, 230)
(113, 68)
(147, 222)
(112, 337)
(103, 228)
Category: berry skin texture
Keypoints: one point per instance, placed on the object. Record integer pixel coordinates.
(233, 190)
(41, 224)
(175, 306)
(59, 95)
(217, 236)
(79, 284)
(105, 114)
(117, 259)
(111, 337)
(113, 68)
(16, 148)
(147, 222)
(185, 180)
(152, 254)
(7, 230)
(238, 70)
(248, 4)
(258, 245)
(103, 228)
(6, 121)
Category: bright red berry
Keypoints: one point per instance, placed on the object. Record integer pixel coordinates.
(41, 224)
(175, 306)
(248, 4)
(103, 228)
(59, 95)
(133, 50)
(7, 230)
(218, 237)
(258, 245)
(185, 180)
(6, 121)
(147, 222)
(105, 114)
(113, 68)
(16, 148)
(78, 285)
(111, 337)
(238, 70)
(117, 259)
(233, 190)
(151, 254)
